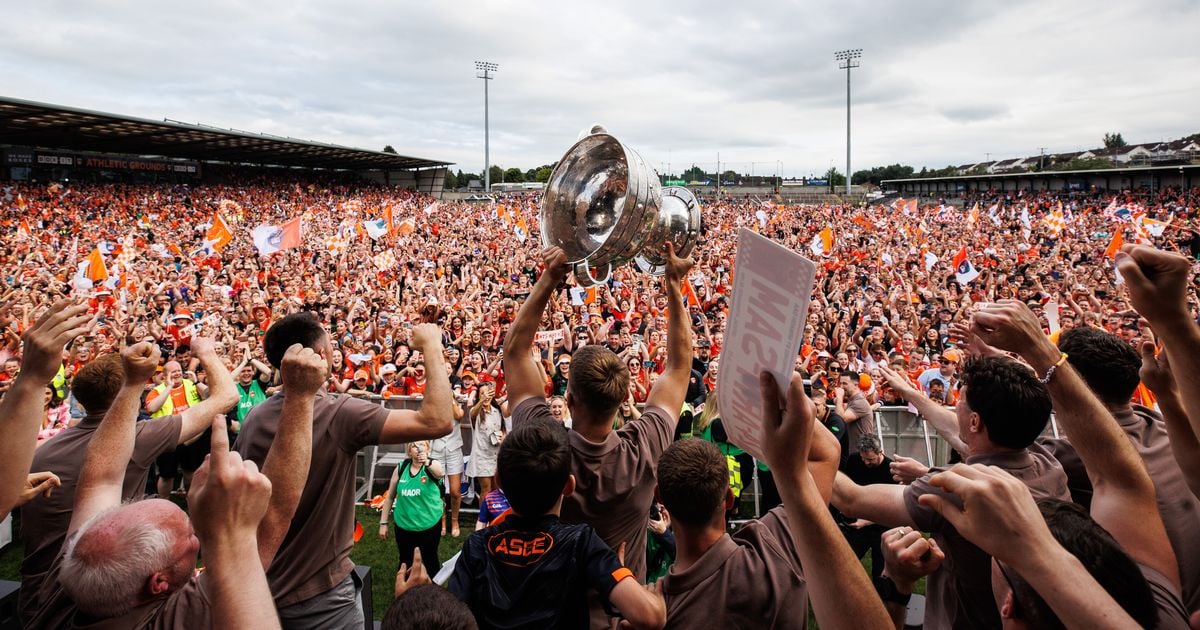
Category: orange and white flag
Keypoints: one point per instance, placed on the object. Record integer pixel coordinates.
(689, 293)
(1114, 246)
(407, 226)
(1055, 221)
(822, 243)
(23, 231)
(973, 216)
(219, 235)
(521, 229)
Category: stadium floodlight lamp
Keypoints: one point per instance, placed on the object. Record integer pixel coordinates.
(847, 60)
(486, 68)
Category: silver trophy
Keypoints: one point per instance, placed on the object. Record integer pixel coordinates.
(604, 207)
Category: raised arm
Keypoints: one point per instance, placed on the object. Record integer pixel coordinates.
(227, 502)
(520, 371)
(222, 392)
(942, 419)
(1156, 374)
(1157, 282)
(671, 387)
(21, 407)
(1004, 521)
(1124, 500)
(435, 418)
(287, 462)
(841, 592)
(111, 448)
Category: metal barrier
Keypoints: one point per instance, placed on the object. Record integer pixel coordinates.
(900, 431)
(384, 457)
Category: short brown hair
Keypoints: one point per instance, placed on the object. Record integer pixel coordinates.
(599, 379)
(96, 384)
(693, 479)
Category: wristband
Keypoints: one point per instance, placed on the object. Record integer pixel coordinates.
(1050, 372)
(889, 593)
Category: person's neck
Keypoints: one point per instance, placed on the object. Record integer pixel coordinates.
(1119, 409)
(984, 447)
(692, 543)
(590, 428)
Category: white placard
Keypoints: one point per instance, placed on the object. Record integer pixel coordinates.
(548, 336)
(1051, 311)
(772, 287)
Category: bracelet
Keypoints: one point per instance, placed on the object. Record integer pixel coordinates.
(1050, 372)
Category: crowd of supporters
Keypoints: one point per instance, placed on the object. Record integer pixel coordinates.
(139, 340)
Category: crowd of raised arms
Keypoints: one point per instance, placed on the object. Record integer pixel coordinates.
(153, 350)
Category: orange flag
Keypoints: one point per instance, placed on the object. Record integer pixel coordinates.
(96, 271)
(387, 216)
(1115, 245)
(689, 293)
(407, 226)
(290, 234)
(218, 236)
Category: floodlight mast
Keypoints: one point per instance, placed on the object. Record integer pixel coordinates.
(486, 68)
(847, 60)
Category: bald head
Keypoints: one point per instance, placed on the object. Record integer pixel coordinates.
(127, 555)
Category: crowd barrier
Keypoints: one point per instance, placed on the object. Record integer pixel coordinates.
(900, 431)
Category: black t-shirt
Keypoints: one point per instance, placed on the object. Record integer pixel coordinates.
(863, 475)
(534, 573)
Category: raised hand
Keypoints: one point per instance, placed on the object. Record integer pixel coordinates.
(555, 261)
(677, 268)
(427, 338)
(407, 578)
(202, 346)
(43, 344)
(895, 380)
(229, 496)
(1156, 370)
(304, 371)
(970, 341)
(140, 360)
(994, 510)
(1157, 282)
(787, 426)
(1009, 325)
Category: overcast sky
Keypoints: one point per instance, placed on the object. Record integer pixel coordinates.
(940, 83)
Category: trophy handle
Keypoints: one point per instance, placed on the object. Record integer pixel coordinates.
(583, 273)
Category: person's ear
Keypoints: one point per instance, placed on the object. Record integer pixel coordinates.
(1008, 607)
(157, 583)
(976, 423)
(569, 487)
(730, 501)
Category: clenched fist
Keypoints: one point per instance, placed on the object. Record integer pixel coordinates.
(427, 338)
(304, 371)
(140, 360)
(202, 346)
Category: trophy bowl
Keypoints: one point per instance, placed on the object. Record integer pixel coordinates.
(605, 207)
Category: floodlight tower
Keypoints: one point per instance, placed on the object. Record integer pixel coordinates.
(847, 60)
(486, 68)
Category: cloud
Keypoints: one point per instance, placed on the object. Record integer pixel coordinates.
(975, 113)
(939, 83)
